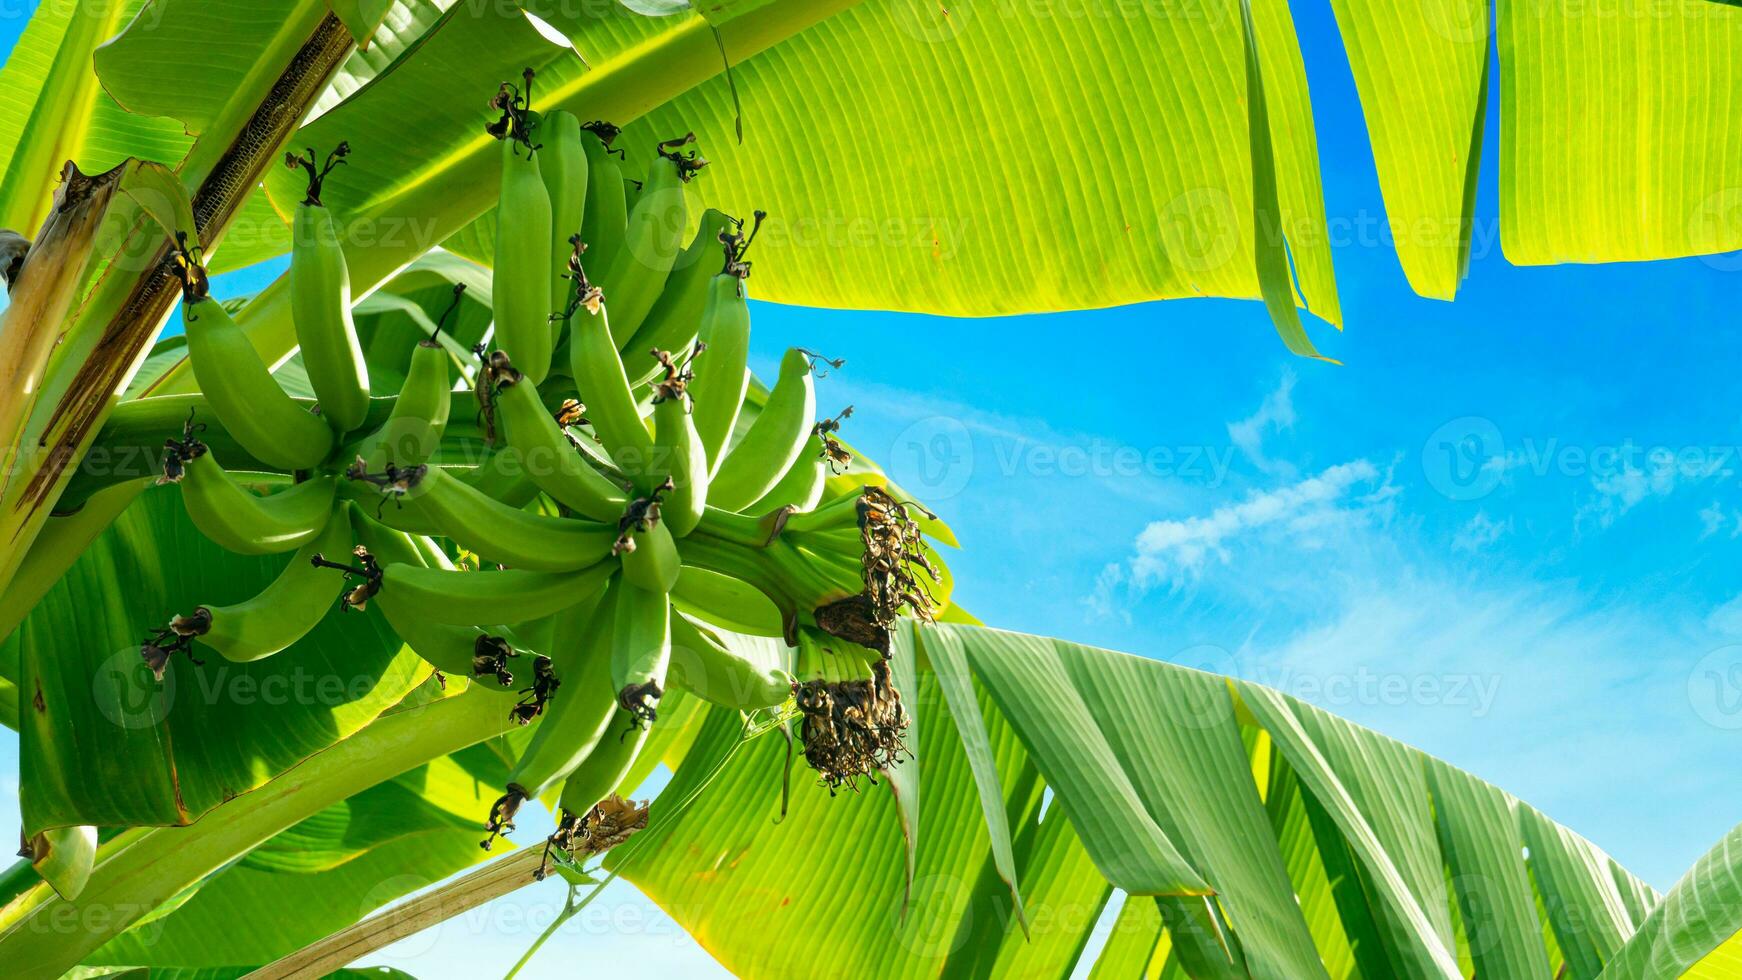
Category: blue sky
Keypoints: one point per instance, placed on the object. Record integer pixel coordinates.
(1505, 531)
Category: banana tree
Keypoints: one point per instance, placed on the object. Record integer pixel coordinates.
(172, 806)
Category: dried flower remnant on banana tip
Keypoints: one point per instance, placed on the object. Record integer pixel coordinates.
(514, 103)
(394, 482)
(640, 516)
(836, 455)
(182, 450)
(317, 172)
(495, 371)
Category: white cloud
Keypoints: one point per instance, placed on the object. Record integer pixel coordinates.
(1481, 532)
(1275, 414)
(1619, 490)
(1176, 549)
(1715, 518)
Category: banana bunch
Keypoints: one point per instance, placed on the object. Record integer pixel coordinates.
(641, 518)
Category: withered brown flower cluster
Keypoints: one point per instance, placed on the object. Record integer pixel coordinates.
(611, 822)
(852, 728)
(894, 551)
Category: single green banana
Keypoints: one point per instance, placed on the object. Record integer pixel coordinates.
(678, 451)
(462, 598)
(282, 613)
(521, 290)
(634, 275)
(242, 393)
(519, 538)
(649, 555)
(606, 215)
(728, 602)
(827, 515)
(640, 650)
(501, 476)
(549, 459)
(676, 316)
(611, 404)
(239, 521)
(320, 303)
(413, 431)
(603, 770)
(575, 718)
(731, 675)
(774, 440)
(563, 168)
(721, 376)
(802, 486)
(459, 651)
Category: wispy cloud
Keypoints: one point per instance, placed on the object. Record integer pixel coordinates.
(1618, 490)
(1174, 550)
(1275, 414)
(1715, 518)
(1480, 532)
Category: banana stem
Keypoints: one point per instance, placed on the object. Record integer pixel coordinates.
(145, 867)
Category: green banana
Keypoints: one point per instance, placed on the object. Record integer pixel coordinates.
(721, 377)
(827, 515)
(640, 650)
(611, 403)
(459, 651)
(502, 476)
(549, 459)
(575, 718)
(774, 440)
(320, 302)
(606, 215)
(729, 675)
(802, 486)
(678, 449)
(634, 274)
(645, 546)
(603, 771)
(241, 522)
(282, 613)
(488, 527)
(672, 323)
(564, 172)
(649, 555)
(462, 598)
(521, 291)
(250, 405)
(413, 430)
(730, 602)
